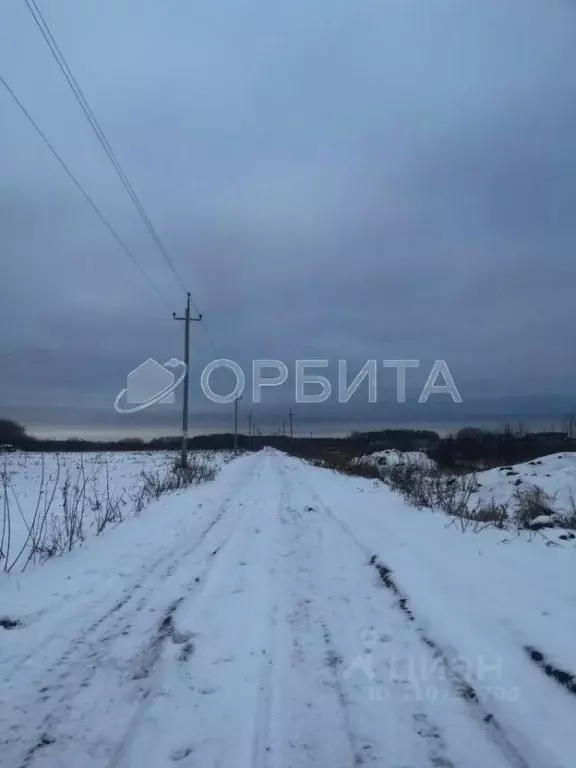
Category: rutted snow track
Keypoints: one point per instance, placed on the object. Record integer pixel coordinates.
(93, 661)
(244, 625)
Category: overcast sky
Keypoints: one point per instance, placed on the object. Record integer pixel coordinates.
(347, 179)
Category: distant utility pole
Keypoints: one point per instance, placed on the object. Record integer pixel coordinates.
(250, 429)
(187, 320)
(236, 422)
(290, 414)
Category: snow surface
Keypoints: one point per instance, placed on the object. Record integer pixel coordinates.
(117, 474)
(554, 474)
(286, 616)
(392, 456)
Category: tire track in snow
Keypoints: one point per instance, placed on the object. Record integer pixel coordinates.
(404, 736)
(168, 630)
(74, 670)
(165, 632)
(334, 660)
(310, 657)
(172, 554)
(224, 682)
(366, 750)
(566, 679)
(265, 742)
(264, 753)
(368, 746)
(195, 586)
(463, 688)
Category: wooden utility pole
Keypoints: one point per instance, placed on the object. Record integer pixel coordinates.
(290, 414)
(187, 320)
(236, 422)
(250, 429)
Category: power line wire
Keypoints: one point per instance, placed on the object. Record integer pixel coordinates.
(83, 191)
(79, 95)
(211, 342)
(96, 127)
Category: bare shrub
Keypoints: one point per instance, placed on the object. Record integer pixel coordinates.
(73, 507)
(453, 494)
(347, 467)
(5, 539)
(67, 508)
(63, 528)
(492, 513)
(427, 487)
(175, 477)
(409, 479)
(530, 503)
(37, 529)
(107, 511)
(566, 518)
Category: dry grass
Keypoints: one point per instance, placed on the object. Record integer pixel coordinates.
(72, 503)
(530, 503)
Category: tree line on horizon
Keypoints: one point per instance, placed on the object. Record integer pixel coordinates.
(470, 446)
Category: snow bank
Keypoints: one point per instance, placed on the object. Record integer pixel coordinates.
(554, 474)
(391, 456)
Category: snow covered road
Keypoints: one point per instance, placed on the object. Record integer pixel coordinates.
(263, 621)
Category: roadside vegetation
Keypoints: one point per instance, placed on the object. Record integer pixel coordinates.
(426, 485)
(73, 500)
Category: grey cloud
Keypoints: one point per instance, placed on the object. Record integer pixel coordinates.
(332, 180)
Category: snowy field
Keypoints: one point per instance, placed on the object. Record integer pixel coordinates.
(286, 616)
(37, 489)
